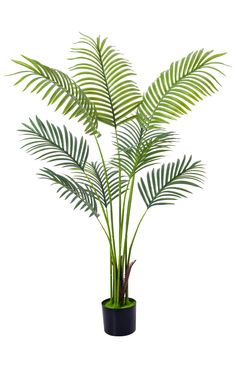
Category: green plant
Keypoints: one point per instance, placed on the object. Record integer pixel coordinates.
(102, 91)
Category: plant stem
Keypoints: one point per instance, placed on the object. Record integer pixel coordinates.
(125, 260)
(112, 259)
(109, 192)
(125, 246)
(105, 214)
(124, 203)
(104, 229)
(120, 224)
(135, 233)
(111, 209)
(111, 217)
(111, 277)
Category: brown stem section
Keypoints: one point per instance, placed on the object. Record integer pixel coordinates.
(124, 281)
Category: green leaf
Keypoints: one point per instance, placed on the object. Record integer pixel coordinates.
(60, 90)
(174, 92)
(105, 77)
(53, 144)
(171, 182)
(94, 174)
(140, 147)
(68, 188)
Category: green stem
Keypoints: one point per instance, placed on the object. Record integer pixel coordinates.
(111, 216)
(109, 191)
(102, 226)
(125, 260)
(135, 233)
(105, 214)
(120, 224)
(129, 208)
(111, 277)
(111, 209)
(124, 202)
(112, 259)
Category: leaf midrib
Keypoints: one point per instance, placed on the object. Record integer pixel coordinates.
(169, 91)
(71, 95)
(107, 87)
(101, 186)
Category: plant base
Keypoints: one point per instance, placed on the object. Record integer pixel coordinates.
(119, 321)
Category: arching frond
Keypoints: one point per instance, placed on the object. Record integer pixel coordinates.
(140, 148)
(68, 188)
(186, 82)
(95, 175)
(170, 182)
(105, 75)
(53, 144)
(60, 90)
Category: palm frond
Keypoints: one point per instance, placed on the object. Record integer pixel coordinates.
(139, 147)
(95, 175)
(105, 75)
(68, 188)
(170, 182)
(60, 90)
(53, 144)
(186, 82)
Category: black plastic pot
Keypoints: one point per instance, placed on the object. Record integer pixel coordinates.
(119, 322)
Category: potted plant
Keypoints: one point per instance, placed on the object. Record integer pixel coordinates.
(102, 91)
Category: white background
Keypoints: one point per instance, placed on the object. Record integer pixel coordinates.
(54, 261)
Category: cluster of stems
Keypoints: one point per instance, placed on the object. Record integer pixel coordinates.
(120, 249)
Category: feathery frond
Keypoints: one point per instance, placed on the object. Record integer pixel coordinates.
(83, 198)
(53, 144)
(186, 82)
(60, 90)
(105, 75)
(94, 173)
(139, 147)
(170, 182)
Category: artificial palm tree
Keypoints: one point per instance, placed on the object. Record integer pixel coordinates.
(101, 90)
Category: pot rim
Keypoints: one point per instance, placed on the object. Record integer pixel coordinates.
(119, 309)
